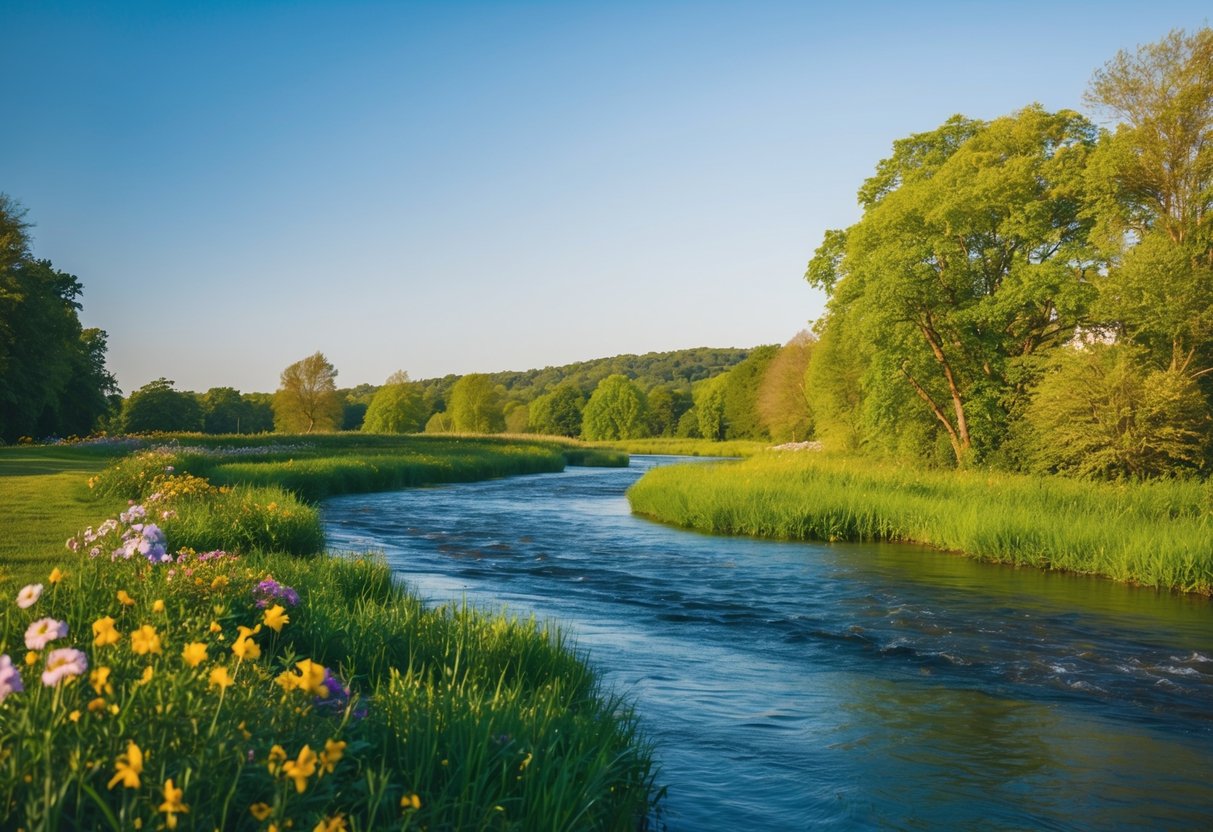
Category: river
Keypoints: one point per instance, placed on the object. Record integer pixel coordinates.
(844, 686)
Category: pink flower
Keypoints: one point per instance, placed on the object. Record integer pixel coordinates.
(66, 661)
(29, 595)
(10, 677)
(43, 631)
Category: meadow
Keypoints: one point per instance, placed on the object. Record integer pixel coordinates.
(147, 682)
(1156, 533)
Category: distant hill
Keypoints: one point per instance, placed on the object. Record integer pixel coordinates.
(679, 369)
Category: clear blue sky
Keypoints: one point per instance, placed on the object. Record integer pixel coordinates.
(459, 187)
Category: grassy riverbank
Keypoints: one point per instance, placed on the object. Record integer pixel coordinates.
(686, 447)
(1154, 533)
(270, 688)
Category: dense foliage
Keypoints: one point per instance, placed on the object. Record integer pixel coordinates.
(53, 379)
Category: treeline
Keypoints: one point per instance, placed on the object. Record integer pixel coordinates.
(53, 380)
(1034, 292)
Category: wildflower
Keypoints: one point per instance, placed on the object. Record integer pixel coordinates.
(269, 591)
(10, 677)
(275, 617)
(410, 801)
(29, 595)
(63, 663)
(220, 677)
(194, 653)
(216, 627)
(145, 640)
(148, 673)
(104, 632)
(301, 769)
(333, 824)
(99, 679)
(31, 658)
(276, 759)
(172, 805)
(529, 756)
(43, 631)
(287, 681)
(125, 598)
(158, 605)
(220, 582)
(73, 543)
(98, 705)
(333, 751)
(74, 716)
(128, 767)
(57, 575)
(312, 677)
(244, 647)
(260, 811)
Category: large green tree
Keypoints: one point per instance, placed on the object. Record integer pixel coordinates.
(474, 405)
(398, 407)
(156, 406)
(307, 400)
(558, 413)
(783, 400)
(616, 410)
(224, 410)
(971, 256)
(1152, 184)
(53, 378)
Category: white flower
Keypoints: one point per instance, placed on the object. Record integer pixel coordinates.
(29, 595)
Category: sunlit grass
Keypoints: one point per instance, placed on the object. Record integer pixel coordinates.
(686, 447)
(1153, 533)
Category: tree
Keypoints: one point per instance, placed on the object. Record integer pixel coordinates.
(517, 417)
(398, 407)
(742, 420)
(475, 406)
(439, 423)
(1152, 184)
(558, 413)
(261, 412)
(709, 407)
(1100, 411)
(156, 406)
(666, 407)
(783, 401)
(307, 399)
(52, 371)
(224, 410)
(971, 256)
(616, 410)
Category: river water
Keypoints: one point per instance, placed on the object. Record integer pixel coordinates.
(845, 686)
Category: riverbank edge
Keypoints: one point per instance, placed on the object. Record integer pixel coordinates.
(1153, 534)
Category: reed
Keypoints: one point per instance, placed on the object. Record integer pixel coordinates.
(1156, 533)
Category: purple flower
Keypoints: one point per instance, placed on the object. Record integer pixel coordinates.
(43, 631)
(270, 591)
(338, 698)
(10, 677)
(66, 661)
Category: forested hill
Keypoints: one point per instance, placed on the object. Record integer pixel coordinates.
(678, 368)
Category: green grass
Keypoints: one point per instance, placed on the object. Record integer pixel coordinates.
(457, 718)
(1151, 533)
(686, 447)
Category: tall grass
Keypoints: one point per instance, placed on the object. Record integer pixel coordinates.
(1156, 533)
(686, 447)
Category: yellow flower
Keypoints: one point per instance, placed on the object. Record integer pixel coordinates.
(260, 811)
(287, 681)
(244, 646)
(219, 676)
(215, 627)
(145, 640)
(104, 632)
(128, 767)
(333, 751)
(522, 766)
(148, 672)
(74, 716)
(410, 801)
(194, 653)
(31, 658)
(333, 824)
(57, 575)
(172, 804)
(125, 599)
(311, 678)
(220, 582)
(100, 680)
(275, 617)
(158, 605)
(97, 705)
(301, 769)
(277, 757)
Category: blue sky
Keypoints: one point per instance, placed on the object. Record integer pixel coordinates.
(460, 187)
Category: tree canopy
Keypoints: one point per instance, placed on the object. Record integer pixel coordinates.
(398, 407)
(475, 405)
(616, 410)
(307, 400)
